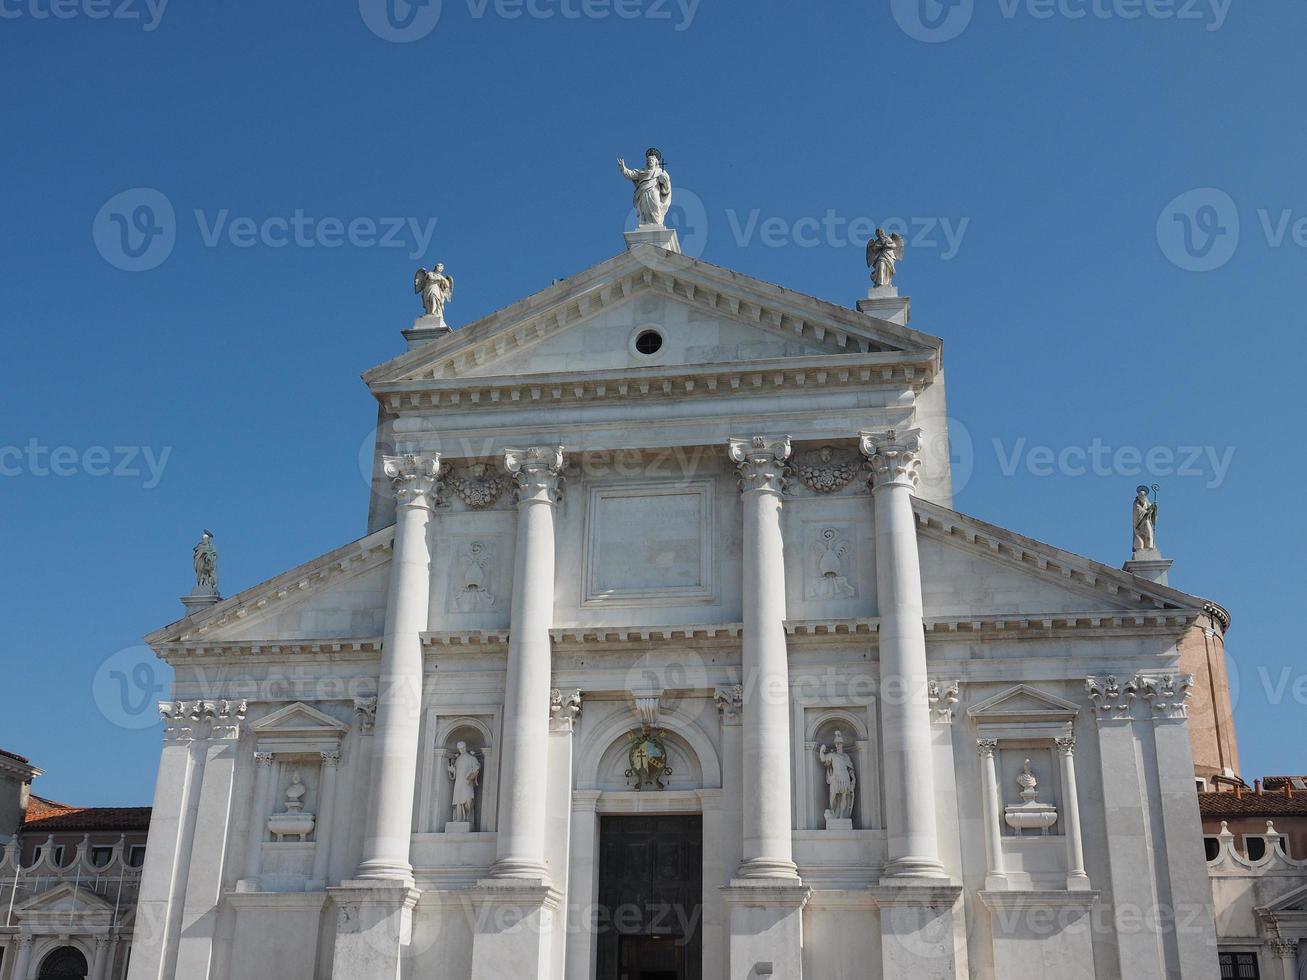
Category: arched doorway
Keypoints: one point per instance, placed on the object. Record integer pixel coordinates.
(63, 963)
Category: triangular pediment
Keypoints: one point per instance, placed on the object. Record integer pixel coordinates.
(339, 595)
(64, 898)
(298, 719)
(1023, 703)
(706, 315)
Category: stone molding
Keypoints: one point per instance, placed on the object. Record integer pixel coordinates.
(894, 457)
(413, 477)
(761, 463)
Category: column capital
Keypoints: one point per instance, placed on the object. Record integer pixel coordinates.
(537, 472)
(413, 476)
(331, 759)
(263, 758)
(564, 709)
(24, 939)
(986, 747)
(730, 703)
(365, 712)
(894, 455)
(1286, 949)
(760, 462)
(1066, 744)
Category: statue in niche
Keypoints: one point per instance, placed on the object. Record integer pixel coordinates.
(1029, 814)
(294, 821)
(829, 551)
(436, 289)
(653, 187)
(204, 556)
(1145, 520)
(841, 780)
(474, 593)
(884, 253)
(465, 770)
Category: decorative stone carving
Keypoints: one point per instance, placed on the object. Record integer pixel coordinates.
(478, 485)
(536, 472)
(1108, 698)
(294, 821)
(1144, 520)
(647, 705)
(841, 784)
(648, 758)
(1029, 814)
(564, 709)
(884, 252)
(204, 556)
(1066, 744)
(413, 476)
(942, 697)
(895, 457)
(474, 593)
(826, 470)
(653, 187)
(986, 747)
(436, 289)
(829, 552)
(365, 713)
(730, 702)
(1168, 694)
(761, 463)
(184, 720)
(465, 771)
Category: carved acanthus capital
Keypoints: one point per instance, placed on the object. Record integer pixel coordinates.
(564, 709)
(986, 747)
(1167, 693)
(262, 758)
(331, 759)
(826, 470)
(895, 457)
(1066, 744)
(365, 714)
(537, 472)
(943, 697)
(478, 485)
(730, 702)
(1109, 698)
(1285, 949)
(188, 720)
(761, 463)
(413, 477)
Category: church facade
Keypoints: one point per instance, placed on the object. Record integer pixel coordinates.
(666, 655)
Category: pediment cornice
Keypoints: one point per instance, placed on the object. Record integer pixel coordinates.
(473, 349)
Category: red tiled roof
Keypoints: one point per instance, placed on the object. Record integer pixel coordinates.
(1249, 804)
(47, 815)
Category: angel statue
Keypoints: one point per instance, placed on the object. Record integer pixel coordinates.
(1145, 520)
(653, 187)
(436, 289)
(840, 779)
(205, 559)
(883, 255)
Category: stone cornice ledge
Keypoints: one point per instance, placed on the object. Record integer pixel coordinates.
(917, 892)
(697, 634)
(1034, 899)
(366, 648)
(469, 641)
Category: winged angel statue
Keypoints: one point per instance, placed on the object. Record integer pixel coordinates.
(436, 289)
(883, 256)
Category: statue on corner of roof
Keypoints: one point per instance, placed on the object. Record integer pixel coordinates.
(436, 289)
(653, 187)
(1144, 515)
(204, 556)
(884, 253)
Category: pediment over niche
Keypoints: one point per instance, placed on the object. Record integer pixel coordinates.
(1023, 703)
(298, 719)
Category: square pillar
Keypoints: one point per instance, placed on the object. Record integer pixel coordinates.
(920, 931)
(374, 928)
(766, 928)
(513, 931)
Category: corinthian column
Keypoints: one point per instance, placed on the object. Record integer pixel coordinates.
(768, 851)
(520, 848)
(913, 849)
(399, 692)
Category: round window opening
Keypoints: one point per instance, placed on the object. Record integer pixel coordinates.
(649, 342)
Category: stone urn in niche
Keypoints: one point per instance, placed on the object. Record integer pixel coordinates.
(294, 821)
(1029, 814)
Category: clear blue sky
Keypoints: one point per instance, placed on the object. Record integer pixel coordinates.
(1055, 144)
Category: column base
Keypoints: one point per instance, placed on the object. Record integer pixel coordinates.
(374, 927)
(513, 928)
(514, 869)
(766, 928)
(384, 874)
(919, 930)
(912, 868)
(768, 868)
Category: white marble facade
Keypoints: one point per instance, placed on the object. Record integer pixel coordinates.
(734, 541)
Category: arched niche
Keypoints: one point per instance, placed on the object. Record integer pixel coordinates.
(687, 747)
(63, 962)
(477, 734)
(820, 727)
(686, 772)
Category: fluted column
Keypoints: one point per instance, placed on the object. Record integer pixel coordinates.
(520, 847)
(913, 849)
(399, 689)
(1076, 878)
(996, 876)
(768, 850)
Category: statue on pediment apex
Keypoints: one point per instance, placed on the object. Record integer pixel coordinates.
(653, 187)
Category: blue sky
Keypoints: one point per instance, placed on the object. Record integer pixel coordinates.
(1041, 155)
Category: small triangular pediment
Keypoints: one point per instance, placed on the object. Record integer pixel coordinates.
(1023, 703)
(706, 315)
(64, 898)
(1292, 901)
(298, 719)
